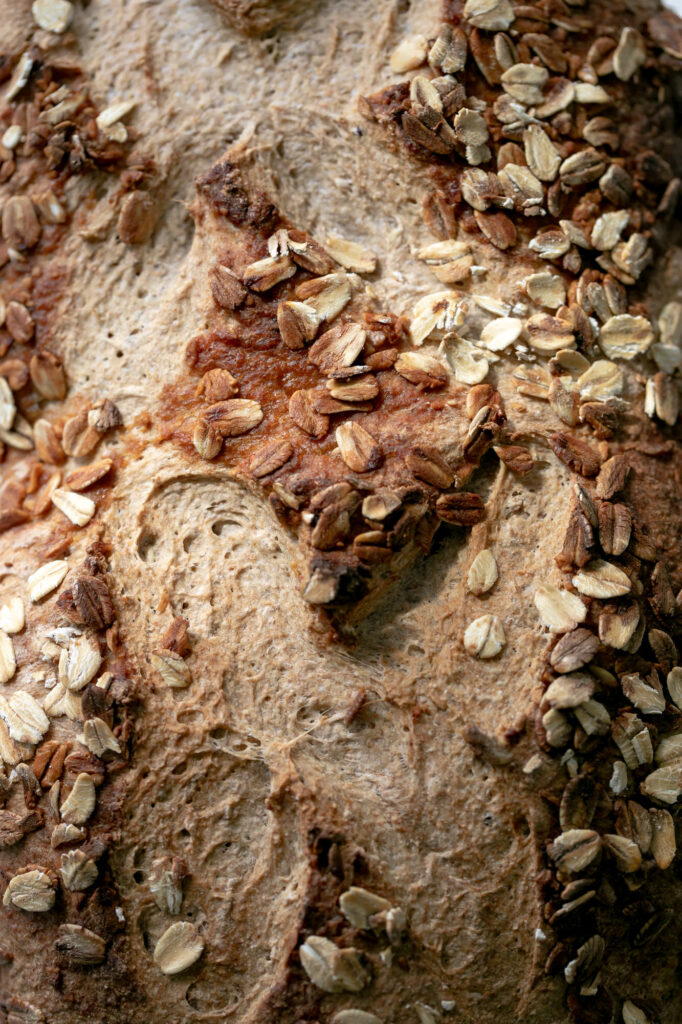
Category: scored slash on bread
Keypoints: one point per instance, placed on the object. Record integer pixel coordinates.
(362, 444)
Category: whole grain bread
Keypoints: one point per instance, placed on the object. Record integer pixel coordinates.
(340, 512)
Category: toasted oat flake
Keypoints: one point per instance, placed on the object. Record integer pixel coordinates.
(602, 579)
(8, 409)
(77, 507)
(483, 573)
(501, 333)
(359, 905)
(608, 228)
(353, 1016)
(179, 948)
(13, 616)
(629, 55)
(484, 637)
(493, 15)
(330, 968)
(266, 273)
(173, 670)
(603, 380)
(328, 295)
(546, 289)
(358, 448)
(559, 610)
(8, 661)
(52, 15)
(77, 870)
(541, 154)
(99, 739)
(625, 336)
(25, 719)
(469, 364)
(79, 663)
(33, 891)
(351, 255)
(438, 311)
(408, 55)
(80, 803)
(664, 784)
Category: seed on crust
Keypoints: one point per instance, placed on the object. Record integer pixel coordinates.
(577, 455)
(228, 291)
(80, 803)
(358, 448)
(484, 637)
(330, 968)
(460, 508)
(422, 369)
(179, 948)
(428, 465)
(33, 891)
(559, 610)
(483, 573)
(602, 579)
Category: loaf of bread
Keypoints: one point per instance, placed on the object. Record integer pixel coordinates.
(340, 512)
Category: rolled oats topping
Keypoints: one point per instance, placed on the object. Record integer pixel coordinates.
(32, 891)
(179, 948)
(484, 637)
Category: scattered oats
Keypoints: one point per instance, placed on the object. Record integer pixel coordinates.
(608, 228)
(546, 289)
(8, 661)
(664, 784)
(625, 336)
(358, 448)
(25, 719)
(46, 579)
(109, 120)
(668, 358)
(80, 803)
(629, 55)
(525, 83)
(470, 127)
(501, 333)
(79, 946)
(631, 257)
(522, 187)
(645, 696)
(12, 137)
(359, 905)
(172, 669)
(569, 691)
(52, 15)
(632, 1014)
(266, 273)
(670, 324)
(330, 968)
(99, 739)
(484, 637)
(421, 369)
(602, 579)
(661, 399)
(77, 507)
(559, 610)
(619, 778)
(468, 363)
(549, 334)
(63, 834)
(351, 255)
(633, 739)
(20, 76)
(663, 842)
(179, 948)
(408, 55)
(32, 890)
(560, 96)
(593, 717)
(581, 168)
(674, 683)
(79, 663)
(482, 573)
(541, 154)
(78, 871)
(13, 616)
(534, 381)
(587, 93)
(355, 1017)
(8, 409)
(327, 295)
(625, 852)
(669, 749)
(449, 52)
(165, 883)
(603, 380)
(493, 15)
(574, 850)
(550, 245)
(426, 1014)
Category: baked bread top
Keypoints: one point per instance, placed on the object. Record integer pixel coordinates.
(338, 575)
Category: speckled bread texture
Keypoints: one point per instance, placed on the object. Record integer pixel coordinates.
(275, 714)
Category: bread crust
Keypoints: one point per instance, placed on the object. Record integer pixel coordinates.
(350, 618)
